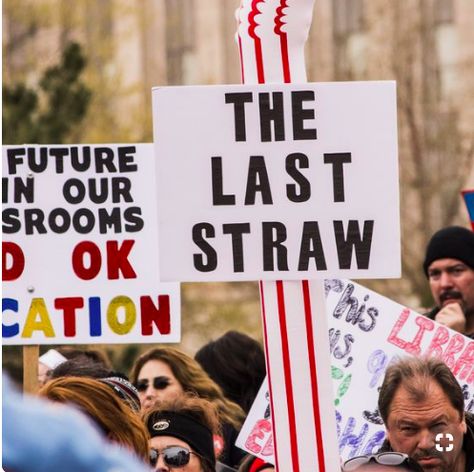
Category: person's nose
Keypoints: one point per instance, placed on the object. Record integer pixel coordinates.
(446, 280)
(426, 440)
(161, 465)
(150, 392)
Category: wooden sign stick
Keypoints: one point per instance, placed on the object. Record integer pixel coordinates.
(30, 369)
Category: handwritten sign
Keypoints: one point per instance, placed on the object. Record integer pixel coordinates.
(367, 331)
(277, 181)
(256, 435)
(79, 252)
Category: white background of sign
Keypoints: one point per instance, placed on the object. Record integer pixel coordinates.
(193, 124)
(48, 266)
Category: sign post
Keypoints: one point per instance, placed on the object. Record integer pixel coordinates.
(30, 368)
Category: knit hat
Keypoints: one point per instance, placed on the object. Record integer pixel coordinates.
(186, 428)
(125, 390)
(453, 242)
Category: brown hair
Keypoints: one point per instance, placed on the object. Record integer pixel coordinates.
(415, 375)
(193, 379)
(96, 399)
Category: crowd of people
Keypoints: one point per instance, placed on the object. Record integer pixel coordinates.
(175, 412)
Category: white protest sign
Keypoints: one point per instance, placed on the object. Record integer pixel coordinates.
(79, 252)
(256, 435)
(366, 331)
(277, 181)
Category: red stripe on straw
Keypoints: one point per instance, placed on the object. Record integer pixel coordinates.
(267, 361)
(288, 380)
(259, 58)
(242, 75)
(313, 375)
(256, 40)
(279, 25)
(285, 58)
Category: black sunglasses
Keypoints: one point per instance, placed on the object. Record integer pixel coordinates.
(384, 458)
(174, 456)
(159, 383)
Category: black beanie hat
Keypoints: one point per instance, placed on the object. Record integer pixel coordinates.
(453, 242)
(186, 428)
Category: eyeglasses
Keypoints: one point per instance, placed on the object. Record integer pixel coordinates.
(384, 458)
(159, 383)
(174, 456)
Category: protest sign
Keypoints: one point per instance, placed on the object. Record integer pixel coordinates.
(256, 434)
(367, 331)
(277, 181)
(468, 196)
(79, 251)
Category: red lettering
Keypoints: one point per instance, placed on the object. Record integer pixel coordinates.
(83, 248)
(117, 260)
(69, 306)
(268, 449)
(440, 337)
(425, 324)
(465, 362)
(151, 315)
(17, 261)
(261, 428)
(455, 345)
(393, 336)
(470, 379)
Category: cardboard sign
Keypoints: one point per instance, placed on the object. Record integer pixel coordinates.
(277, 181)
(367, 331)
(79, 252)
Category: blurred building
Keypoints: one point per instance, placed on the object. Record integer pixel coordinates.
(133, 45)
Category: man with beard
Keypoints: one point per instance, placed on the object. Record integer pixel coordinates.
(422, 407)
(449, 266)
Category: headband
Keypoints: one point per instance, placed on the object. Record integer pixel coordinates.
(186, 428)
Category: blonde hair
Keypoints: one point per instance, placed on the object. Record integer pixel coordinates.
(193, 379)
(97, 400)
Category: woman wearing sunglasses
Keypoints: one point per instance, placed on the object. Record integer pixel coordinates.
(383, 462)
(181, 433)
(165, 373)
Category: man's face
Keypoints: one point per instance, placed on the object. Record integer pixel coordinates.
(412, 428)
(452, 281)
